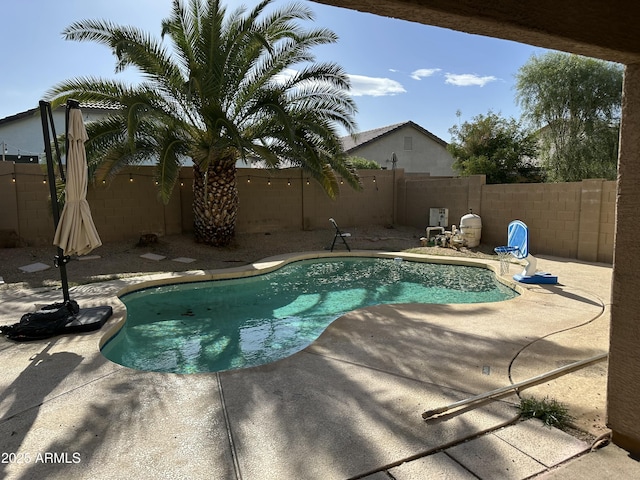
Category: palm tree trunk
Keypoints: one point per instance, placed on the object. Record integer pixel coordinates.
(215, 203)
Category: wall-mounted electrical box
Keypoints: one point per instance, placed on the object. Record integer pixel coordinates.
(438, 217)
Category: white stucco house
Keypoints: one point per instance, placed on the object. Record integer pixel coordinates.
(21, 138)
(416, 149)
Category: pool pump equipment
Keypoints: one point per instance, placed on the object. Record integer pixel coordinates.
(468, 235)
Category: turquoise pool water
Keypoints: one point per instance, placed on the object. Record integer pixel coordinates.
(229, 324)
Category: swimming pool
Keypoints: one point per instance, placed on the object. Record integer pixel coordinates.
(237, 323)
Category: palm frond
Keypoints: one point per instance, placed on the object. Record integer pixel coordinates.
(170, 156)
(218, 85)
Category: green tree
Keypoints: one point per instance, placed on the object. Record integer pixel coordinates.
(494, 146)
(228, 86)
(575, 104)
(362, 163)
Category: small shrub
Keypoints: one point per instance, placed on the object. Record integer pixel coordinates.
(364, 164)
(551, 412)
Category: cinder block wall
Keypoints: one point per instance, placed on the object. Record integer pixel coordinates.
(270, 201)
(35, 220)
(573, 220)
(128, 206)
(607, 225)
(551, 211)
(9, 223)
(372, 205)
(417, 195)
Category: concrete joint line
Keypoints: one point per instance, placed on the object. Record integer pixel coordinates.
(49, 399)
(232, 447)
(441, 448)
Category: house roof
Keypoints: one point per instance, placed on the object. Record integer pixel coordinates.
(35, 111)
(18, 116)
(363, 138)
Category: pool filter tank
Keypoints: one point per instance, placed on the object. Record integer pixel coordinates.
(471, 229)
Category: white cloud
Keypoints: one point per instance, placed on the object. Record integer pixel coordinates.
(468, 79)
(374, 86)
(360, 84)
(423, 73)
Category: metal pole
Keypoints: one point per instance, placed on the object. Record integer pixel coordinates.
(516, 387)
(394, 161)
(302, 198)
(60, 260)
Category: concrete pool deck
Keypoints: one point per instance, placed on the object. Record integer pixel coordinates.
(348, 406)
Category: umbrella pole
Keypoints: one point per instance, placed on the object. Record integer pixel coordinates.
(68, 317)
(60, 260)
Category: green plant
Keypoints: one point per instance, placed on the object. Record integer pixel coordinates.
(574, 104)
(494, 146)
(361, 163)
(220, 87)
(550, 411)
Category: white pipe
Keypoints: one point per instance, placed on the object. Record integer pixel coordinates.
(504, 391)
(530, 267)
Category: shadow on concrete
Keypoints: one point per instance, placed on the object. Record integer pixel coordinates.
(27, 393)
(351, 403)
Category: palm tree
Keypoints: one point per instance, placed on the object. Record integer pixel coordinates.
(230, 86)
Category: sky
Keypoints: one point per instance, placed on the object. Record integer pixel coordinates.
(400, 71)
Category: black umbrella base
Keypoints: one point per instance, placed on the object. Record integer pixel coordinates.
(57, 319)
(88, 319)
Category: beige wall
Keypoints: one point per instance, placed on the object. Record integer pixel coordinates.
(129, 206)
(573, 220)
(8, 205)
(25, 207)
(416, 195)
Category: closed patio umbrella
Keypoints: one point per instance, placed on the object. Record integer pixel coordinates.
(76, 232)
